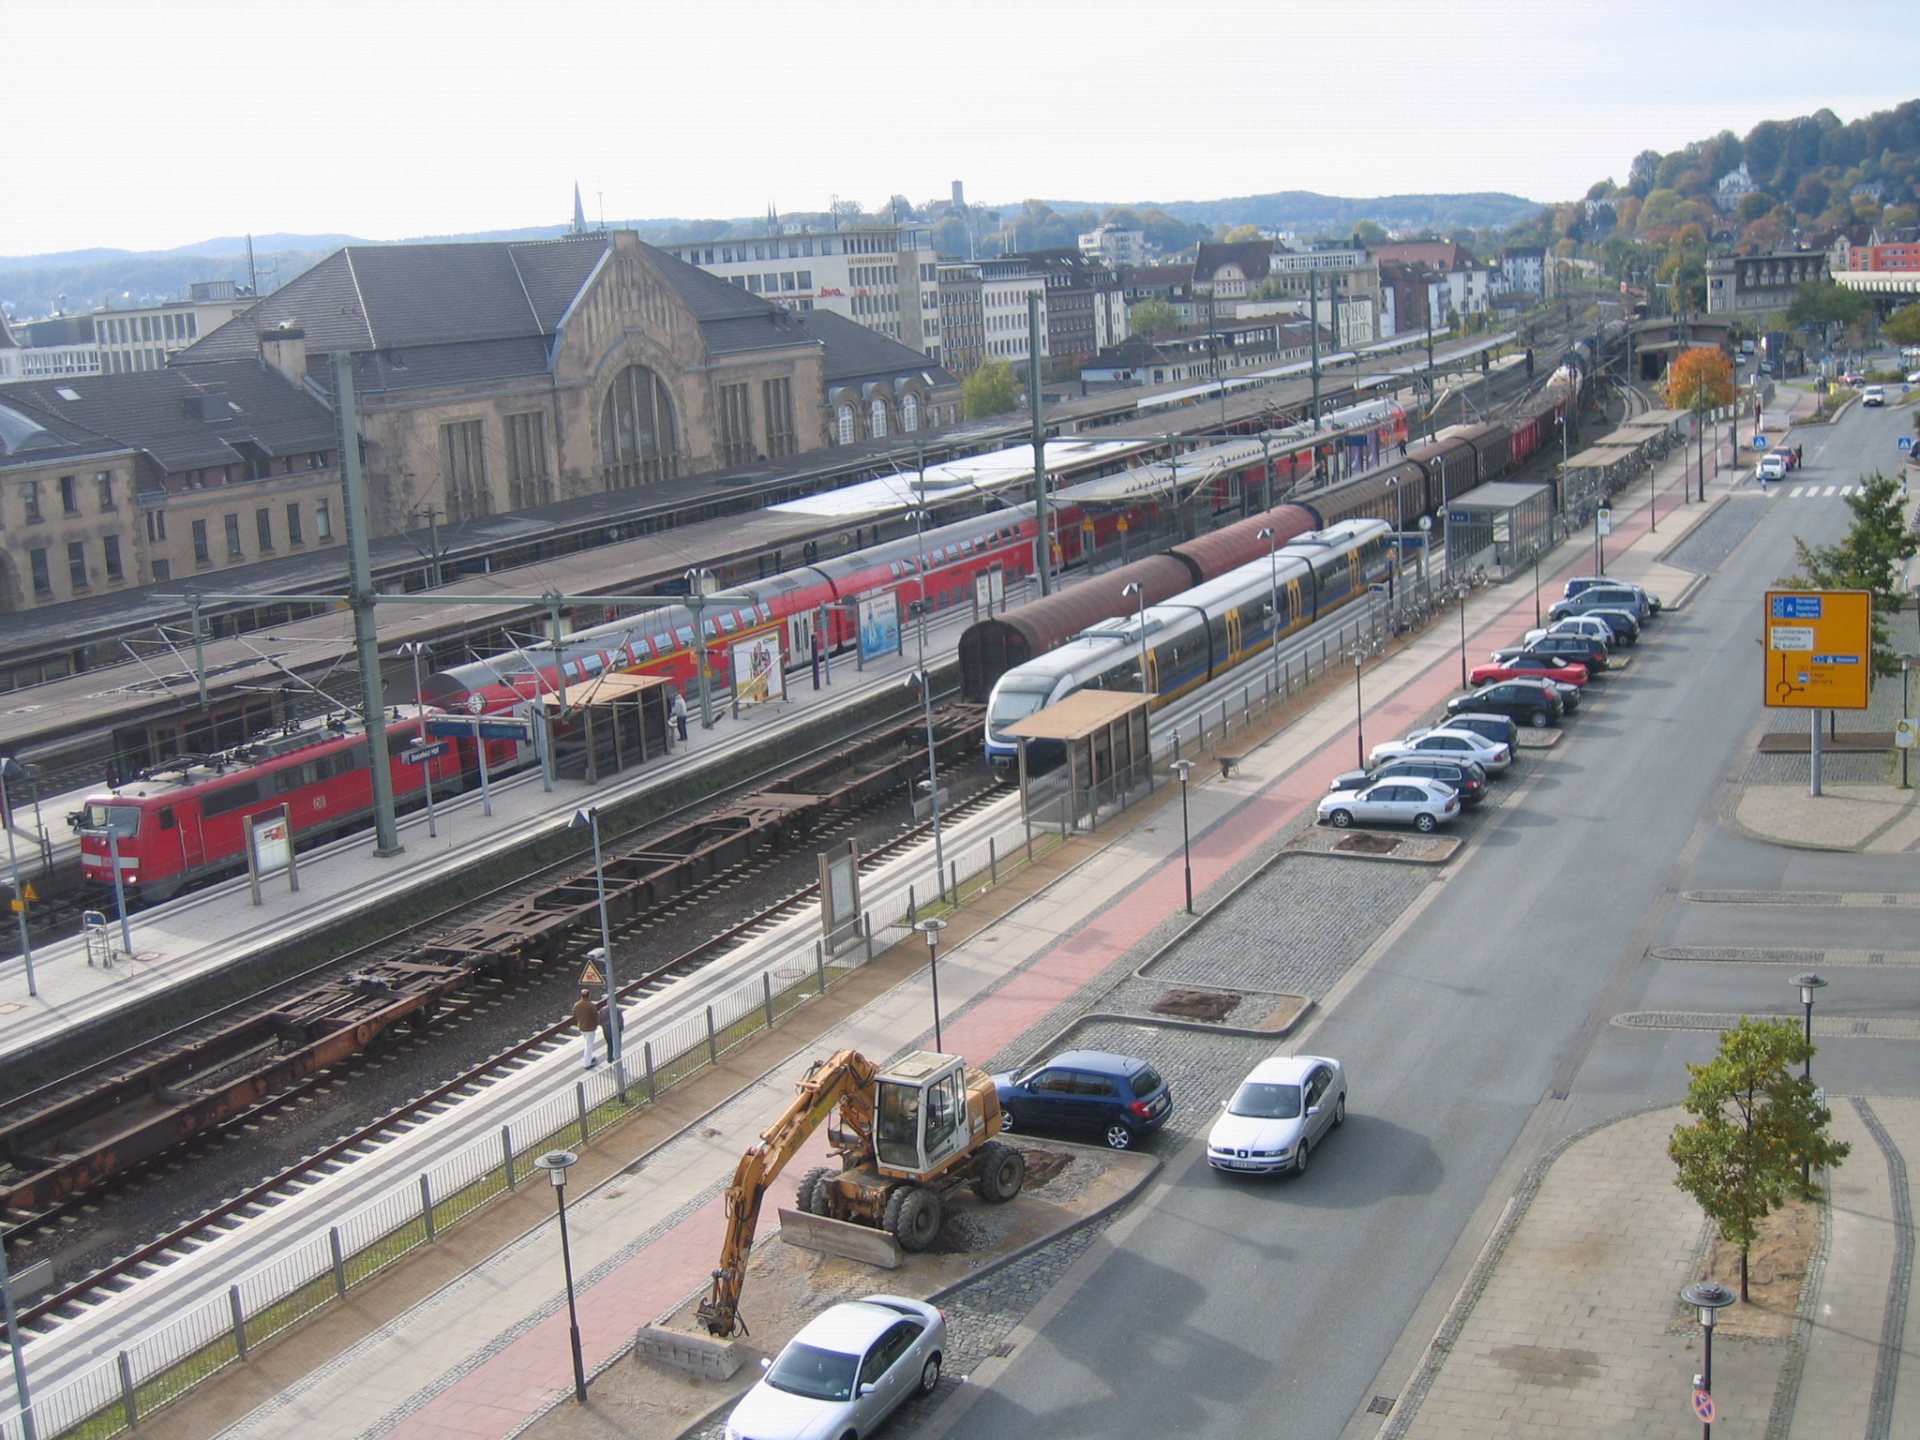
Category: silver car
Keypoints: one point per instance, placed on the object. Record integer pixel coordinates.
(1424, 804)
(1283, 1110)
(846, 1371)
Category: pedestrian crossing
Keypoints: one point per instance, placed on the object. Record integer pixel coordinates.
(1811, 492)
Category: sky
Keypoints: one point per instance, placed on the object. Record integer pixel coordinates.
(142, 126)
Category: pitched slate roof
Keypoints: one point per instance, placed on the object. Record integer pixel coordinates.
(185, 419)
(850, 351)
(1254, 257)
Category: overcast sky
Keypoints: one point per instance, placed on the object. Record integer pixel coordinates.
(147, 125)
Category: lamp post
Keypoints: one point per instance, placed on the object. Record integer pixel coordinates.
(1139, 597)
(1807, 984)
(1184, 768)
(698, 595)
(931, 929)
(589, 820)
(925, 682)
(919, 518)
(1906, 709)
(1536, 583)
(414, 649)
(22, 1395)
(1359, 709)
(1463, 636)
(556, 1163)
(1708, 1297)
(1272, 537)
(9, 765)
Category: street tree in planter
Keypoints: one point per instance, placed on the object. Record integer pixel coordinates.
(1872, 557)
(1757, 1125)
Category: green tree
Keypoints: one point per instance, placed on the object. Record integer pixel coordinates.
(1152, 317)
(1825, 303)
(1903, 326)
(990, 390)
(1367, 232)
(1872, 557)
(1756, 1124)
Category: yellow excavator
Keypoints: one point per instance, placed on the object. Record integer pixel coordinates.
(906, 1137)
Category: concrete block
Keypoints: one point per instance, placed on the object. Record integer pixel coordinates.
(840, 1237)
(700, 1355)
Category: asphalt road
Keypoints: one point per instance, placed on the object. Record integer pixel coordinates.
(1215, 1301)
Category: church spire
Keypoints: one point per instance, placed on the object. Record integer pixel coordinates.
(579, 212)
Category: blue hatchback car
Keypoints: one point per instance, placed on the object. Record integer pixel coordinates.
(1092, 1092)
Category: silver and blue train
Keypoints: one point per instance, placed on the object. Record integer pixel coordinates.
(1196, 636)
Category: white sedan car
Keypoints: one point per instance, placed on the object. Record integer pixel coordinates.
(1424, 804)
(847, 1370)
(1587, 627)
(1454, 744)
(1284, 1109)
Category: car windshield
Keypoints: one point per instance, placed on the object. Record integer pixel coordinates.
(812, 1372)
(1259, 1100)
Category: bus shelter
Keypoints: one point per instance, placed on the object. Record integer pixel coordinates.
(1092, 749)
(608, 724)
(1502, 525)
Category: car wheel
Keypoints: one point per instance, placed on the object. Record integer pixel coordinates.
(1006, 1119)
(1300, 1160)
(1425, 824)
(1119, 1137)
(1538, 719)
(1340, 819)
(1340, 1110)
(930, 1375)
(913, 1215)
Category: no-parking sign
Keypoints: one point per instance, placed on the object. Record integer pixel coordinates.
(1703, 1406)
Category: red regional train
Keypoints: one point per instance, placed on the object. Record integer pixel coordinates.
(183, 821)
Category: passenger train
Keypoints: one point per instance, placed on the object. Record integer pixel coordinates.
(1197, 636)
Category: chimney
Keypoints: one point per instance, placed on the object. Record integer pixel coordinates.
(284, 347)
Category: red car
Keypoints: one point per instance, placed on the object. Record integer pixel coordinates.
(1530, 667)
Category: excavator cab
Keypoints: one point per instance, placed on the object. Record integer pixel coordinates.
(920, 1114)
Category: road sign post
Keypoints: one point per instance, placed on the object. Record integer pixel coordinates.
(1819, 655)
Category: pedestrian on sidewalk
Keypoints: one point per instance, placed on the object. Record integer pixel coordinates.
(677, 709)
(606, 1025)
(586, 1019)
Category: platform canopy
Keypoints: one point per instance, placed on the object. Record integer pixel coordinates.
(1079, 715)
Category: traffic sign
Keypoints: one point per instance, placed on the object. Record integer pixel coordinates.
(1759, 441)
(1819, 649)
(590, 975)
(1906, 444)
(1703, 1407)
(1603, 518)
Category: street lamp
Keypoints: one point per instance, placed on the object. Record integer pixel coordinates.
(698, 596)
(919, 518)
(931, 929)
(1462, 590)
(1807, 984)
(415, 649)
(1359, 709)
(22, 1395)
(1707, 1297)
(1140, 603)
(1272, 537)
(8, 765)
(925, 682)
(1184, 768)
(556, 1163)
(589, 820)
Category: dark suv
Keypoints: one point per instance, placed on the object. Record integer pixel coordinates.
(1527, 704)
(1115, 1097)
(1577, 648)
(1464, 777)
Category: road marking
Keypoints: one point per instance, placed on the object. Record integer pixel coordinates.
(1777, 955)
(1801, 897)
(1835, 1027)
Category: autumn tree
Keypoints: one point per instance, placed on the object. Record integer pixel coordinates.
(1872, 557)
(1152, 317)
(1758, 1124)
(1700, 379)
(990, 390)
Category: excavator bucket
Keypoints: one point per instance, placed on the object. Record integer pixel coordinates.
(840, 1237)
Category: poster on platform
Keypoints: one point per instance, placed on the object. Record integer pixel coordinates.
(757, 672)
(879, 626)
(270, 848)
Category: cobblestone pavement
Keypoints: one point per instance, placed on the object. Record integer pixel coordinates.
(1836, 767)
(1708, 544)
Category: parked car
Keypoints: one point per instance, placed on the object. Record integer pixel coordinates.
(1283, 1111)
(1581, 584)
(1602, 597)
(1570, 695)
(1591, 626)
(1500, 729)
(1581, 649)
(1490, 755)
(849, 1368)
(1790, 454)
(1624, 623)
(1528, 663)
(1424, 804)
(1116, 1097)
(1873, 395)
(1464, 777)
(1525, 704)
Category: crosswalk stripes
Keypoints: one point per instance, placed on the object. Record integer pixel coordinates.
(1817, 492)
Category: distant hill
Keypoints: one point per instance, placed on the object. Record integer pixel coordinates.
(1309, 213)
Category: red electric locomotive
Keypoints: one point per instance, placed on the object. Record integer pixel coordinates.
(183, 820)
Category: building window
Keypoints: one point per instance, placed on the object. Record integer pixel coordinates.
(323, 521)
(909, 412)
(110, 545)
(234, 552)
(776, 404)
(877, 418)
(843, 425)
(463, 469)
(736, 425)
(104, 480)
(263, 528)
(162, 571)
(42, 578)
(69, 495)
(77, 563)
(639, 440)
(30, 494)
(156, 527)
(528, 482)
(293, 523)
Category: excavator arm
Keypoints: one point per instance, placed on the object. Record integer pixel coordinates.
(845, 1077)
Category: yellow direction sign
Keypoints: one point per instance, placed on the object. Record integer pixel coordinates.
(1819, 649)
(591, 975)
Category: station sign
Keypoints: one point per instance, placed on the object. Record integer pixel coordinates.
(483, 727)
(1819, 649)
(419, 754)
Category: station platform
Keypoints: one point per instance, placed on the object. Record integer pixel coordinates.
(476, 1345)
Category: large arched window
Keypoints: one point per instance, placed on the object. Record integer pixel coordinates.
(909, 412)
(877, 419)
(843, 425)
(639, 441)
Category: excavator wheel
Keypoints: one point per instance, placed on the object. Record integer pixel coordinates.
(815, 1193)
(913, 1216)
(998, 1172)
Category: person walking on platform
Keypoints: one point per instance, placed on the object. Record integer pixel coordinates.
(606, 1025)
(586, 1019)
(677, 709)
